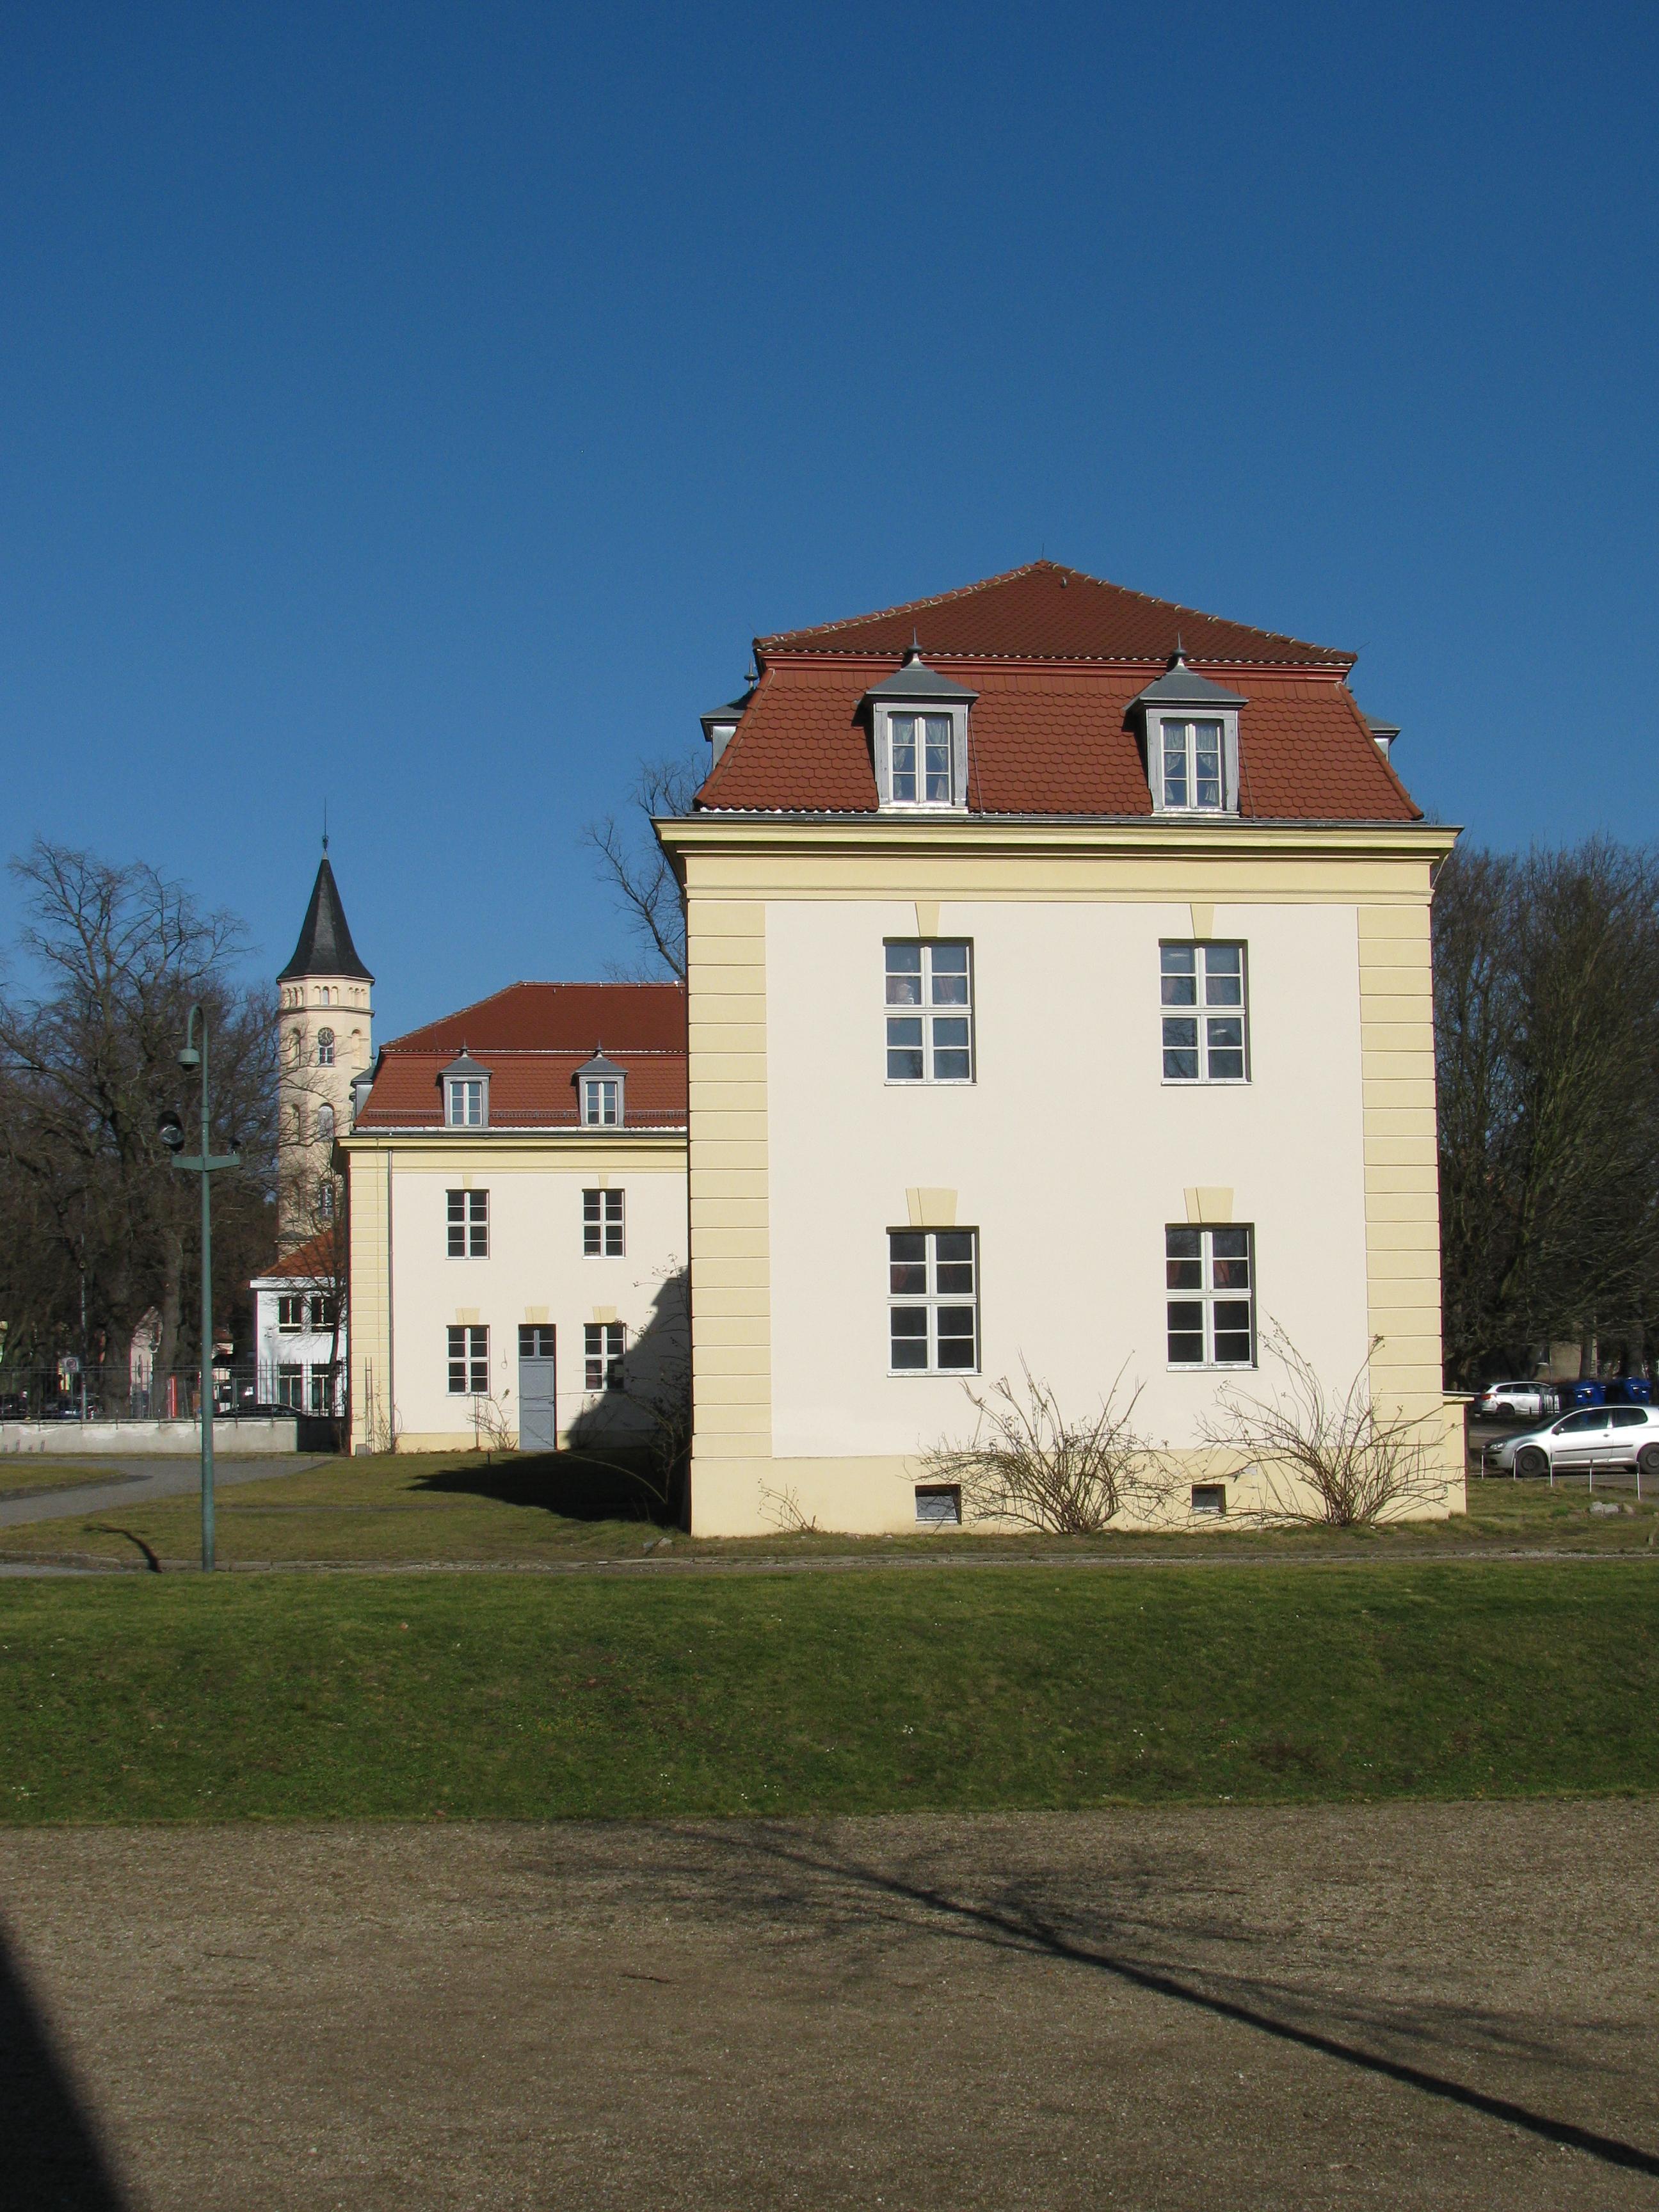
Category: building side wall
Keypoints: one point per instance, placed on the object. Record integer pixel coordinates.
(1069, 1154)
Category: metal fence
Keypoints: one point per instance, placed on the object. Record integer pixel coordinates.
(238, 1392)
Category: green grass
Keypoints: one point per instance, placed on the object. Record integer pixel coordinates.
(455, 1508)
(518, 1697)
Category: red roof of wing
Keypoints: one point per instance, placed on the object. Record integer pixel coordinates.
(310, 1262)
(1047, 612)
(1055, 740)
(561, 1018)
(531, 1038)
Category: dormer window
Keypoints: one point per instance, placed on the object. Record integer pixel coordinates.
(466, 1093)
(599, 1087)
(1192, 741)
(919, 728)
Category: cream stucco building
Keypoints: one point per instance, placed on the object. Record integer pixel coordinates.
(517, 1224)
(1059, 993)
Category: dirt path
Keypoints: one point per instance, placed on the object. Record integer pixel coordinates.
(1403, 2006)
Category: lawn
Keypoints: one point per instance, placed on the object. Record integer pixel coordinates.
(459, 1508)
(26, 1475)
(516, 1696)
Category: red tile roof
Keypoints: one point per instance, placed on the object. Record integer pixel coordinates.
(531, 1038)
(1056, 657)
(310, 1262)
(1046, 612)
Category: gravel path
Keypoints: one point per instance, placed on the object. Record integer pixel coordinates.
(1399, 2006)
(140, 1481)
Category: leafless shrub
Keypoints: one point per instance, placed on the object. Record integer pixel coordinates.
(1030, 1466)
(492, 1423)
(1325, 1461)
(784, 1509)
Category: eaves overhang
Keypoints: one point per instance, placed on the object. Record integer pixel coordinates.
(710, 831)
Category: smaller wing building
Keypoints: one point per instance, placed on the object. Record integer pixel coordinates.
(518, 1231)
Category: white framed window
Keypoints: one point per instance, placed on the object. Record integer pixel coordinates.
(604, 1344)
(932, 1301)
(325, 1047)
(935, 1042)
(291, 1387)
(602, 1224)
(322, 1316)
(601, 1102)
(469, 1362)
(1210, 1278)
(1205, 1013)
(921, 770)
(465, 1096)
(325, 1198)
(317, 1389)
(325, 1125)
(1193, 757)
(468, 1225)
(290, 1314)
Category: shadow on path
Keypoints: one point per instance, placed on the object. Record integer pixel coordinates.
(54, 2162)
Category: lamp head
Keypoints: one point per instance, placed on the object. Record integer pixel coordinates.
(189, 1057)
(170, 1127)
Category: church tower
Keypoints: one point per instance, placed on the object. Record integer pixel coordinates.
(327, 1017)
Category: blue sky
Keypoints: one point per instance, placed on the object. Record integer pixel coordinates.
(420, 407)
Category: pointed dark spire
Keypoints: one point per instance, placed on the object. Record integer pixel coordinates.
(326, 947)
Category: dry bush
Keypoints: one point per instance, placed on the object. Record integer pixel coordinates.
(1027, 1465)
(1326, 1462)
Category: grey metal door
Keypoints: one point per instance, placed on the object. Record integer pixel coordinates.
(539, 1403)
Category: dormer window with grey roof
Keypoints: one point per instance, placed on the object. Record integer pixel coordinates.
(600, 1085)
(1192, 741)
(919, 728)
(466, 1093)
(720, 725)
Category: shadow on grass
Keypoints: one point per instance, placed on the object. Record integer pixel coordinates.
(53, 2154)
(569, 1485)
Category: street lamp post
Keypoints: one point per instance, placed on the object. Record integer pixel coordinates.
(206, 1164)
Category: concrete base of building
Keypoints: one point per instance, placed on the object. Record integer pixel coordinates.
(898, 1496)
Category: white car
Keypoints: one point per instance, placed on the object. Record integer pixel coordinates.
(1517, 1401)
(1590, 1437)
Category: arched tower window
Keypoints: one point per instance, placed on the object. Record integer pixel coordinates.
(298, 1124)
(325, 1124)
(325, 1047)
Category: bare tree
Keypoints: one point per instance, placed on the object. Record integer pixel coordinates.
(1547, 1058)
(87, 1062)
(635, 868)
(1324, 1460)
(1028, 1465)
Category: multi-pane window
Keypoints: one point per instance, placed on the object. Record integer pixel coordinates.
(469, 1224)
(468, 1363)
(316, 1389)
(932, 1295)
(604, 1344)
(291, 1387)
(466, 1102)
(1210, 1277)
(290, 1314)
(535, 1340)
(920, 753)
(601, 1224)
(1204, 1035)
(1192, 764)
(930, 1012)
(601, 1102)
(325, 1047)
(322, 1315)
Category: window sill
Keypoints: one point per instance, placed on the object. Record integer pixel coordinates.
(928, 1374)
(904, 806)
(1205, 1082)
(928, 1082)
(1212, 1367)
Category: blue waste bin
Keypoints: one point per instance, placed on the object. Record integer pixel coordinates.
(1630, 1390)
(1582, 1394)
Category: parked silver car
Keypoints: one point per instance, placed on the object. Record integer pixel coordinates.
(1517, 1401)
(1591, 1437)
